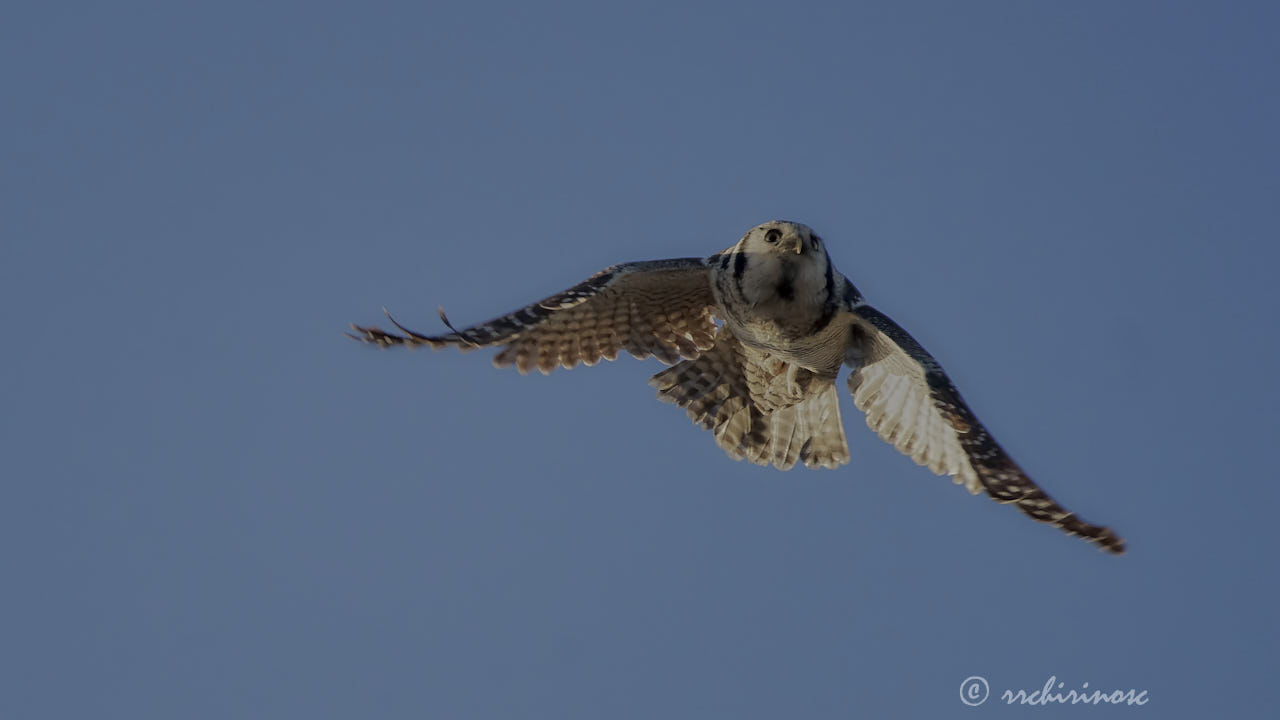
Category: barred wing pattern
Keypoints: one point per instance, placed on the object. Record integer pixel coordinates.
(757, 406)
(660, 308)
(911, 403)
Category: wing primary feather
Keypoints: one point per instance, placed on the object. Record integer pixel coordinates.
(445, 319)
(403, 329)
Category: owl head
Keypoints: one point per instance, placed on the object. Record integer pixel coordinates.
(779, 262)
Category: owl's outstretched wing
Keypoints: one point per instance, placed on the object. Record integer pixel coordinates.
(911, 403)
(660, 308)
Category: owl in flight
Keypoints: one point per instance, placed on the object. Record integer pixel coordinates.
(755, 336)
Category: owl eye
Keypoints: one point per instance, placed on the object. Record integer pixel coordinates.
(772, 236)
(817, 242)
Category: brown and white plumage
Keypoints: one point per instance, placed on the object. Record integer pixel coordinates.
(659, 308)
(754, 409)
(755, 336)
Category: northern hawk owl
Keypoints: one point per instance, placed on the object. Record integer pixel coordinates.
(755, 336)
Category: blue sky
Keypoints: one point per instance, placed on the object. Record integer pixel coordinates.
(217, 506)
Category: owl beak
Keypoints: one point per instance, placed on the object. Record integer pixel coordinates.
(794, 244)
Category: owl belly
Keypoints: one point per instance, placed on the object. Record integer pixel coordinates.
(794, 342)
